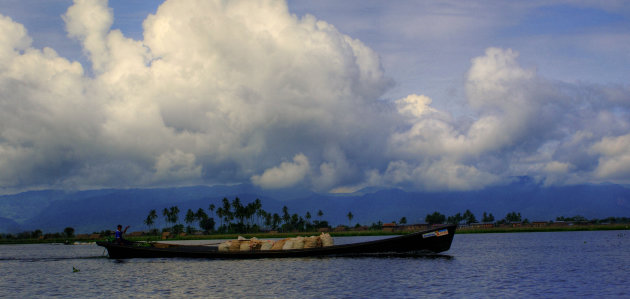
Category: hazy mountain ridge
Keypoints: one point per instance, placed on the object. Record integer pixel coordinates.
(96, 210)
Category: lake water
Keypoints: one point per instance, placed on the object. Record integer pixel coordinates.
(511, 265)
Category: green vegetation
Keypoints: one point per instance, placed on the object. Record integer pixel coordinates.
(25, 238)
(524, 229)
(234, 217)
(151, 219)
(487, 218)
(435, 218)
(68, 232)
(251, 220)
(469, 218)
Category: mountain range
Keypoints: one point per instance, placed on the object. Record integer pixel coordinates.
(96, 210)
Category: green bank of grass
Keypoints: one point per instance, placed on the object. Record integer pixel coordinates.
(33, 241)
(543, 229)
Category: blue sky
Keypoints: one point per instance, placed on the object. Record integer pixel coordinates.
(331, 96)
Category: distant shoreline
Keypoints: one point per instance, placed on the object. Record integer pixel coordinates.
(528, 229)
(465, 230)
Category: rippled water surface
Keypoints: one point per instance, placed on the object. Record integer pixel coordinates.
(544, 265)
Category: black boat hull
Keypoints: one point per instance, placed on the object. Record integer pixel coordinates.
(430, 241)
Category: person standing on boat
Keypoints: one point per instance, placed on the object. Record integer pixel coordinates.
(118, 234)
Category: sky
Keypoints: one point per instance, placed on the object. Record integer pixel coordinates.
(329, 96)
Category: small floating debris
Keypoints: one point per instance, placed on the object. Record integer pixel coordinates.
(75, 269)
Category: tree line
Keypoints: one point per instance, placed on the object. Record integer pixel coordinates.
(468, 218)
(235, 217)
(512, 217)
(68, 232)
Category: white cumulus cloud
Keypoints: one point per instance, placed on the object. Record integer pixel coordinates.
(614, 159)
(225, 91)
(287, 174)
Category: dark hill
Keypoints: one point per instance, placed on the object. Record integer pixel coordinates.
(96, 210)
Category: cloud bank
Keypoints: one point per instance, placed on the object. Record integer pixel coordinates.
(243, 91)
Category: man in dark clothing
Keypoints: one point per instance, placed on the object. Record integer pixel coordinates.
(118, 234)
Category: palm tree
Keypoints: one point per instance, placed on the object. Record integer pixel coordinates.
(295, 220)
(240, 213)
(258, 211)
(205, 223)
(150, 218)
(174, 213)
(227, 214)
(320, 214)
(190, 218)
(276, 220)
(250, 211)
(487, 218)
(268, 220)
(469, 217)
(350, 216)
(238, 209)
(261, 215)
(171, 214)
(285, 215)
(308, 219)
(166, 213)
(435, 218)
(220, 215)
(201, 214)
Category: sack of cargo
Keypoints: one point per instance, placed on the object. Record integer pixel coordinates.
(278, 244)
(255, 244)
(235, 246)
(266, 245)
(244, 246)
(312, 242)
(225, 246)
(288, 245)
(298, 243)
(327, 240)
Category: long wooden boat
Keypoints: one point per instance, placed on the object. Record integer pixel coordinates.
(431, 241)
